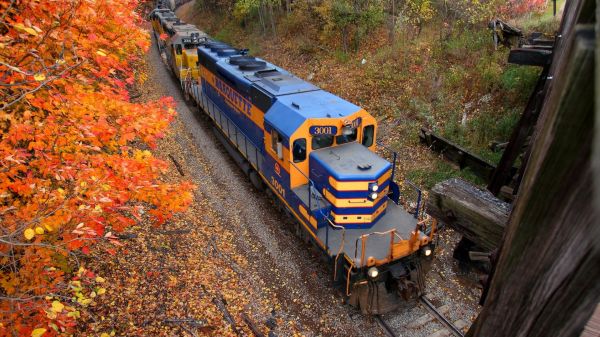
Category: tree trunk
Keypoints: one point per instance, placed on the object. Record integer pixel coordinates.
(272, 17)
(261, 16)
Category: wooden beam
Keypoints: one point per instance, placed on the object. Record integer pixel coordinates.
(546, 280)
(504, 170)
(475, 213)
(530, 56)
(457, 154)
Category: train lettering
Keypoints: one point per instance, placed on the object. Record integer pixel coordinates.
(233, 97)
(277, 186)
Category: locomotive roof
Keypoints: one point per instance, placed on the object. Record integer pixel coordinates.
(180, 27)
(294, 99)
(358, 161)
(289, 111)
(189, 37)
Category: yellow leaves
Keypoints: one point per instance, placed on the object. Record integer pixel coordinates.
(39, 77)
(101, 52)
(21, 28)
(84, 301)
(74, 314)
(38, 332)
(100, 279)
(57, 306)
(29, 234)
(142, 155)
(101, 291)
(39, 230)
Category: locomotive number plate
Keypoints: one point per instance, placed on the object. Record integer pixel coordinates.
(323, 130)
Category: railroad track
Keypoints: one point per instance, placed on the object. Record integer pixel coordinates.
(386, 328)
(438, 315)
(433, 314)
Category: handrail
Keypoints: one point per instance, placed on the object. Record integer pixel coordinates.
(418, 197)
(329, 224)
(392, 232)
(310, 194)
(394, 154)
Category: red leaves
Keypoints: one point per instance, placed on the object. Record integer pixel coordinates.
(69, 175)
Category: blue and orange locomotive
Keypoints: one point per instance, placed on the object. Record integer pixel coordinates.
(316, 153)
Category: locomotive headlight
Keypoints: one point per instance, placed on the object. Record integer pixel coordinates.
(373, 272)
(427, 251)
(373, 196)
(373, 187)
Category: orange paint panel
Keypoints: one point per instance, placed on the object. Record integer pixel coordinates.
(354, 202)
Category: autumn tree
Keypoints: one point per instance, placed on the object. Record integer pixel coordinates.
(75, 165)
(350, 19)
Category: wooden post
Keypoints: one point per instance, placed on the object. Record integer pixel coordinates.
(546, 282)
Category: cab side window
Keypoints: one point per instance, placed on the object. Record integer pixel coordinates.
(368, 135)
(299, 150)
(178, 48)
(276, 143)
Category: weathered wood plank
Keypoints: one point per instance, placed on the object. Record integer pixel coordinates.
(546, 280)
(472, 211)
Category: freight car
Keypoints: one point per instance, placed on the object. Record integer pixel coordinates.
(316, 153)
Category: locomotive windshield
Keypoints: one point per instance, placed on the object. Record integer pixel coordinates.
(321, 141)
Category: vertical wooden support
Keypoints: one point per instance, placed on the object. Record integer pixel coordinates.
(546, 280)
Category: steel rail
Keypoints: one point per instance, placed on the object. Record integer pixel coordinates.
(383, 325)
(432, 309)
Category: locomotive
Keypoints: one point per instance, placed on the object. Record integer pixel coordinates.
(314, 151)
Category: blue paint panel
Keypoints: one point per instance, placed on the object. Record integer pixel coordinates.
(243, 122)
(323, 168)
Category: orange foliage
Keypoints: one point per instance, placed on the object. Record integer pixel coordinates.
(69, 174)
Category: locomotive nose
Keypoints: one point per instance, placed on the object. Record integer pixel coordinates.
(354, 180)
